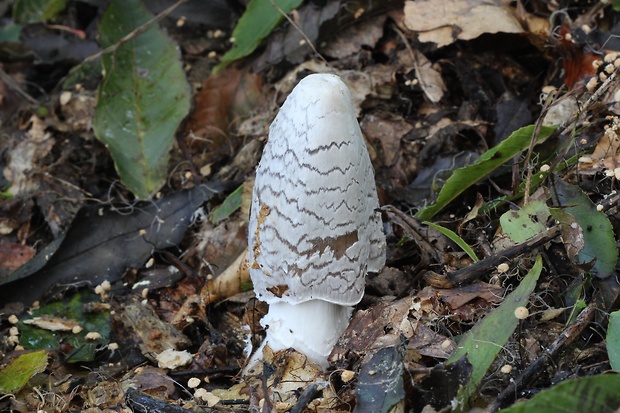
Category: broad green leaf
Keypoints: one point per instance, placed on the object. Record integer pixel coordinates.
(483, 342)
(613, 340)
(588, 394)
(230, 205)
(37, 11)
(258, 20)
(525, 223)
(17, 373)
(489, 161)
(72, 308)
(537, 179)
(143, 97)
(10, 33)
(598, 234)
(455, 238)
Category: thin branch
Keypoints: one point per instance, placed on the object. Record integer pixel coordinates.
(306, 38)
(10, 82)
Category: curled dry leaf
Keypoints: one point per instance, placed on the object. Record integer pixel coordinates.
(172, 359)
(52, 323)
(445, 21)
(230, 282)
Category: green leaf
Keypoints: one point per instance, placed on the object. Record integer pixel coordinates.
(35, 338)
(258, 20)
(483, 342)
(17, 373)
(613, 340)
(143, 97)
(588, 394)
(454, 238)
(489, 161)
(37, 11)
(10, 33)
(598, 234)
(525, 223)
(230, 205)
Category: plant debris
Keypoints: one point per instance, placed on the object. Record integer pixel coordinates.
(493, 131)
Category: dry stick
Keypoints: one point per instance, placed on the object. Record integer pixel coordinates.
(8, 80)
(480, 268)
(530, 150)
(137, 31)
(570, 333)
(404, 39)
(306, 38)
(413, 229)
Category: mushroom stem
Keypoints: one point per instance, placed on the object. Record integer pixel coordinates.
(312, 327)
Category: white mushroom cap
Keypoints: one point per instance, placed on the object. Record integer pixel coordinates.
(314, 227)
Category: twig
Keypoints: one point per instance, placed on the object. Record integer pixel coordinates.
(306, 397)
(530, 150)
(480, 268)
(10, 82)
(306, 38)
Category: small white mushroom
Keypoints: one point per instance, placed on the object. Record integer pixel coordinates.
(315, 229)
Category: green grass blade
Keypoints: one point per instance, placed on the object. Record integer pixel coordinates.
(455, 238)
(483, 342)
(258, 20)
(489, 161)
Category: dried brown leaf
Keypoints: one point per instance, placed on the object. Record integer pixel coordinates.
(445, 21)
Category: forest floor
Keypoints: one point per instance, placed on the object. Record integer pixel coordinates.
(494, 132)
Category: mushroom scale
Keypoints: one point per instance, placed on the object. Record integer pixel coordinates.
(315, 229)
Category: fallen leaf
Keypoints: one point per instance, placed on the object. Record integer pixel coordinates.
(231, 281)
(606, 154)
(429, 76)
(172, 359)
(52, 323)
(351, 39)
(16, 374)
(13, 256)
(225, 98)
(380, 386)
(103, 242)
(445, 21)
(387, 129)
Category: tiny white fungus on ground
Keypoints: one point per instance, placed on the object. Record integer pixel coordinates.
(93, 335)
(506, 369)
(521, 313)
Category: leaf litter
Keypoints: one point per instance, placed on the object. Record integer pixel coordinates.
(472, 122)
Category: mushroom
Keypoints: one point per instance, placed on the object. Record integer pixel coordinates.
(315, 229)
